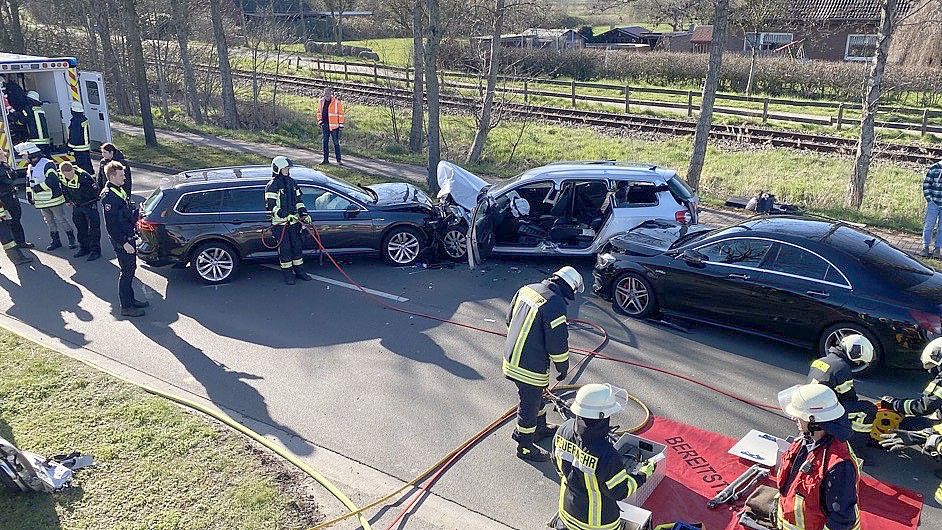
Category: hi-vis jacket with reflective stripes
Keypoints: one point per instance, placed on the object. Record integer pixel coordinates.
(45, 186)
(593, 477)
(537, 334)
(37, 127)
(283, 200)
(818, 487)
(78, 133)
(833, 372)
(930, 403)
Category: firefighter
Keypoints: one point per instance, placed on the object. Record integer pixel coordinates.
(928, 441)
(834, 371)
(330, 117)
(82, 193)
(36, 122)
(45, 193)
(10, 199)
(283, 201)
(16, 97)
(592, 473)
(537, 334)
(79, 140)
(120, 220)
(817, 480)
(924, 411)
(10, 247)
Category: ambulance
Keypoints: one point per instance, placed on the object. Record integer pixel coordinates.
(59, 82)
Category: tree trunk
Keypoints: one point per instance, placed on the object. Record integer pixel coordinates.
(752, 65)
(493, 66)
(871, 101)
(16, 28)
(230, 114)
(138, 72)
(418, 84)
(92, 40)
(705, 120)
(5, 42)
(110, 58)
(189, 78)
(432, 40)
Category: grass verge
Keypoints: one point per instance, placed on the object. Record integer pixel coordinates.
(158, 466)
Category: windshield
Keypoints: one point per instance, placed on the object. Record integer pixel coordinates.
(364, 195)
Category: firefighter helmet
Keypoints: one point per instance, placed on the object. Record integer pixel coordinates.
(595, 401)
(813, 403)
(857, 348)
(33, 95)
(77, 106)
(27, 148)
(572, 278)
(278, 163)
(932, 354)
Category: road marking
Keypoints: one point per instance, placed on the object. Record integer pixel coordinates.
(346, 285)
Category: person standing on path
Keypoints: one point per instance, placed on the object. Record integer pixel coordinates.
(330, 117)
(82, 193)
(120, 220)
(11, 202)
(108, 153)
(932, 191)
(45, 193)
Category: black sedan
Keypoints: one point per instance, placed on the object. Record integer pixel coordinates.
(215, 219)
(805, 281)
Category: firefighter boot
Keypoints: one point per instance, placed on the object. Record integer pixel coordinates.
(288, 275)
(544, 430)
(71, 236)
(17, 257)
(300, 274)
(56, 242)
(526, 450)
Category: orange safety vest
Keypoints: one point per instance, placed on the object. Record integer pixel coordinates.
(334, 113)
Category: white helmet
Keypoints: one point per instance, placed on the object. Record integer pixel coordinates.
(280, 162)
(858, 349)
(77, 106)
(932, 354)
(571, 277)
(27, 148)
(33, 95)
(812, 403)
(595, 401)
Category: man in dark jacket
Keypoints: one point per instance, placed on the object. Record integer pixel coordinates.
(36, 122)
(11, 200)
(79, 140)
(108, 153)
(537, 335)
(82, 194)
(120, 220)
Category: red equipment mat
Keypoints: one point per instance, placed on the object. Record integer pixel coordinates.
(698, 467)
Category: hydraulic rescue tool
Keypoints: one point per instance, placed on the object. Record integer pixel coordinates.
(740, 487)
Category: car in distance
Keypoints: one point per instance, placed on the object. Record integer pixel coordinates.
(802, 280)
(215, 220)
(574, 208)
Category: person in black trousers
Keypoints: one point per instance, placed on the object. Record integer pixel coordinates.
(120, 218)
(11, 201)
(108, 153)
(82, 193)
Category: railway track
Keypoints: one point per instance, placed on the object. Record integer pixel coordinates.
(907, 153)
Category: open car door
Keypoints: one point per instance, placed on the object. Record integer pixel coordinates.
(481, 236)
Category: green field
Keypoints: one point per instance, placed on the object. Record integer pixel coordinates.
(157, 466)
(392, 51)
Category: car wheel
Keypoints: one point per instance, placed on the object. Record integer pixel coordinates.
(214, 262)
(455, 243)
(833, 335)
(632, 295)
(402, 246)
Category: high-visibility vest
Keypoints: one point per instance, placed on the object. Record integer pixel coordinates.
(46, 196)
(334, 113)
(799, 506)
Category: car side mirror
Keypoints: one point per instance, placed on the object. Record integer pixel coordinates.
(692, 257)
(351, 211)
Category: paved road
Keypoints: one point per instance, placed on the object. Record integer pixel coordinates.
(332, 375)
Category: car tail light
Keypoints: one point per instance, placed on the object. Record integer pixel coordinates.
(682, 216)
(146, 226)
(927, 321)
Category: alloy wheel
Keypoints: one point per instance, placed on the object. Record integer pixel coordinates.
(455, 244)
(403, 247)
(214, 264)
(631, 295)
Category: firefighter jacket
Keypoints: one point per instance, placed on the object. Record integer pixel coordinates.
(78, 133)
(834, 372)
(120, 215)
(103, 180)
(7, 189)
(81, 189)
(817, 484)
(537, 334)
(592, 475)
(37, 127)
(45, 188)
(929, 404)
(283, 200)
(334, 112)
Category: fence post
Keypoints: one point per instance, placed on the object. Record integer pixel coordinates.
(318, 64)
(765, 110)
(840, 115)
(925, 122)
(526, 92)
(690, 103)
(572, 85)
(627, 99)
(346, 75)
(375, 75)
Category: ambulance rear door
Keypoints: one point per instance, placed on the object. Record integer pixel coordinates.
(96, 106)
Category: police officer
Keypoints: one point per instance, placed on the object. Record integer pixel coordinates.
(283, 201)
(45, 193)
(10, 199)
(537, 334)
(79, 140)
(6, 239)
(834, 371)
(120, 219)
(926, 410)
(82, 193)
(592, 473)
(36, 122)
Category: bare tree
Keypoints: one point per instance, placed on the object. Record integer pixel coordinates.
(182, 19)
(230, 112)
(14, 25)
(139, 73)
(110, 60)
(705, 119)
(418, 80)
(754, 16)
(483, 118)
(677, 13)
(433, 39)
(337, 9)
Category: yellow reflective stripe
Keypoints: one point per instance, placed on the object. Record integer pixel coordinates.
(593, 499)
(844, 387)
(556, 322)
(820, 365)
(285, 264)
(522, 336)
(617, 479)
(8, 246)
(531, 296)
(934, 390)
(908, 407)
(938, 494)
(560, 357)
(799, 512)
(525, 430)
(525, 376)
(271, 195)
